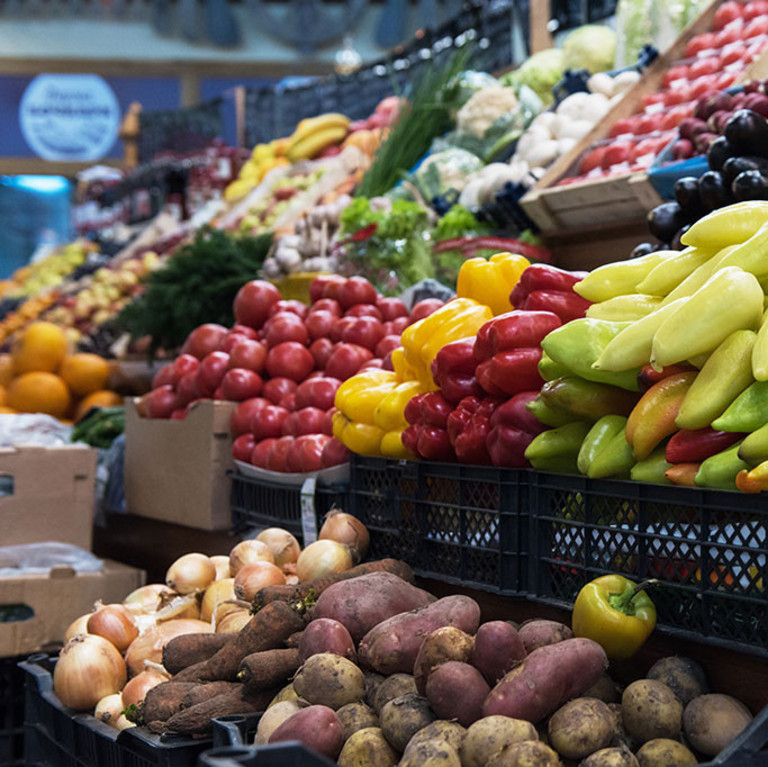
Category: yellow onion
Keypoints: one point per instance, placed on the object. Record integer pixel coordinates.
(284, 547)
(323, 558)
(149, 645)
(231, 623)
(123, 723)
(215, 598)
(256, 576)
(222, 567)
(347, 529)
(147, 599)
(191, 573)
(247, 552)
(109, 709)
(115, 624)
(78, 626)
(179, 607)
(138, 687)
(291, 580)
(89, 668)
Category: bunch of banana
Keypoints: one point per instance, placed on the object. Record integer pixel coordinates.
(263, 159)
(315, 134)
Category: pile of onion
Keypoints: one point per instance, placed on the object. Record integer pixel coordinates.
(344, 528)
(115, 623)
(284, 547)
(323, 558)
(149, 645)
(256, 576)
(191, 573)
(248, 552)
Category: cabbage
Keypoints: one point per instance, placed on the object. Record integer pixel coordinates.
(465, 85)
(591, 47)
(541, 73)
(444, 171)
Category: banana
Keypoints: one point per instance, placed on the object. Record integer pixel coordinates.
(313, 144)
(313, 124)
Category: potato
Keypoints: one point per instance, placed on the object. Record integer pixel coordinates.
(487, 736)
(287, 693)
(650, 710)
(326, 635)
(529, 753)
(581, 727)
(441, 730)
(372, 682)
(392, 687)
(621, 736)
(498, 647)
(683, 676)
(711, 722)
(367, 748)
(329, 680)
(317, 727)
(392, 646)
(356, 716)
(439, 646)
(431, 753)
(611, 757)
(605, 689)
(457, 691)
(403, 717)
(273, 717)
(662, 752)
(538, 633)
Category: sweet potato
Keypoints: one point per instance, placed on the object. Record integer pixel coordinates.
(187, 649)
(392, 646)
(361, 603)
(540, 633)
(317, 727)
(330, 680)
(498, 647)
(546, 679)
(293, 641)
(439, 646)
(326, 635)
(457, 691)
(201, 692)
(165, 700)
(262, 670)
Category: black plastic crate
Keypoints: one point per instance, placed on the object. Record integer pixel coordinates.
(709, 548)
(259, 503)
(461, 524)
(288, 754)
(11, 713)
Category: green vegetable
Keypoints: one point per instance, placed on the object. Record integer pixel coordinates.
(541, 73)
(458, 222)
(101, 427)
(591, 47)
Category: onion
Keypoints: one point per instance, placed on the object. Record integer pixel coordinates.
(344, 528)
(109, 709)
(89, 667)
(179, 607)
(323, 558)
(247, 552)
(222, 567)
(215, 597)
(291, 580)
(123, 723)
(149, 645)
(284, 547)
(136, 690)
(273, 718)
(147, 599)
(78, 626)
(256, 576)
(231, 623)
(191, 573)
(115, 624)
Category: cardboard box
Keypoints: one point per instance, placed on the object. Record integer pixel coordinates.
(176, 471)
(57, 598)
(47, 494)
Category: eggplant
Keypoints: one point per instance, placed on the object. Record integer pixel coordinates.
(643, 249)
(747, 131)
(687, 196)
(676, 244)
(719, 151)
(713, 192)
(750, 185)
(737, 165)
(665, 220)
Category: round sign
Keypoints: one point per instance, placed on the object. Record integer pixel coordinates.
(69, 117)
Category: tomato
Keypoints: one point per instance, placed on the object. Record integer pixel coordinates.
(184, 364)
(288, 401)
(391, 308)
(248, 354)
(755, 9)
(704, 66)
(374, 364)
(363, 331)
(244, 330)
(732, 55)
(161, 402)
(653, 98)
(164, 377)
(254, 301)
(242, 448)
(186, 389)
(396, 326)
(231, 341)
(180, 414)
(309, 420)
(727, 36)
(320, 324)
(321, 350)
(278, 455)
(293, 458)
(285, 327)
(386, 363)
(211, 372)
(757, 26)
(699, 43)
(268, 421)
(346, 360)
(725, 14)
(592, 160)
(328, 423)
(364, 310)
(261, 451)
(617, 153)
(356, 290)
(425, 308)
(289, 305)
(242, 416)
(204, 340)
(386, 345)
(317, 393)
(311, 448)
(679, 72)
(334, 453)
(240, 384)
(318, 285)
(276, 388)
(326, 305)
(290, 360)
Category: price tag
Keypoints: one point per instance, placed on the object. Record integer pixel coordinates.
(308, 518)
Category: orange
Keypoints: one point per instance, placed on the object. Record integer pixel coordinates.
(97, 399)
(39, 392)
(4, 410)
(40, 347)
(84, 373)
(6, 369)
(3, 395)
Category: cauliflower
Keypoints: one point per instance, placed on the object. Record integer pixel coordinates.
(484, 108)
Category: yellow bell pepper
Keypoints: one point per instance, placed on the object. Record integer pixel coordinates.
(490, 282)
(392, 446)
(360, 438)
(389, 414)
(358, 397)
(403, 369)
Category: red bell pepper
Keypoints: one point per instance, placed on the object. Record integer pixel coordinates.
(512, 430)
(511, 372)
(692, 445)
(543, 277)
(567, 306)
(427, 436)
(468, 428)
(454, 370)
(513, 330)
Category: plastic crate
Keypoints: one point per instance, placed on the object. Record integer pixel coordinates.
(259, 503)
(460, 524)
(288, 754)
(709, 548)
(11, 713)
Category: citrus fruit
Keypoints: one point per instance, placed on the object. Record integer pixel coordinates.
(6, 369)
(40, 347)
(97, 399)
(4, 410)
(84, 373)
(39, 392)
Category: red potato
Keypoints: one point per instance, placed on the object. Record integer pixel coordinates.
(361, 603)
(498, 647)
(457, 690)
(546, 679)
(392, 645)
(325, 635)
(537, 634)
(317, 727)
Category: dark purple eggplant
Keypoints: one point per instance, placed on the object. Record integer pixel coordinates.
(643, 249)
(665, 220)
(750, 185)
(676, 244)
(687, 196)
(747, 132)
(713, 192)
(735, 166)
(719, 151)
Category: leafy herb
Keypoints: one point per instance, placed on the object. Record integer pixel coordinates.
(134, 713)
(459, 222)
